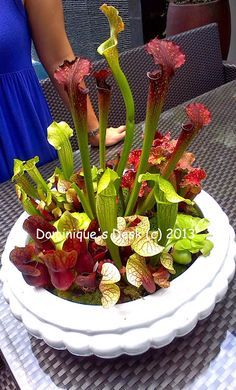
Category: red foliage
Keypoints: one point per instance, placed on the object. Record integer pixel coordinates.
(167, 54)
(34, 273)
(134, 158)
(128, 182)
(40, 231)
(72, 72)
(87, 283)
(198, 114)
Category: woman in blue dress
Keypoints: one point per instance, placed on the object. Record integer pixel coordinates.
(24, 114)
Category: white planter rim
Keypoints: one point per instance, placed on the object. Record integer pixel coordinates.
(39, 308)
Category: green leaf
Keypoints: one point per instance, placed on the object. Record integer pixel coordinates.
(187, 222)
(201, 225)
(199, 238)
(185, 243)
(146, 246)
(30, 164)
(138, 274)
(132, 292)
(45, 194)
(106, 209)
(109, 47)
(30, 167)
(84, 200)
(58, 136)
(206, 249)
(68, 223)
(83, 220)
(166, 187)
(26, 201)
(109, 50)
(110, 294)
(167, 261)
(94, 172)
(107, 179)
(179, 268)
(91, 298)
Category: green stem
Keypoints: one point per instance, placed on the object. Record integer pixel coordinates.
(166, 217)
(107, 218)
(129, 105)
(122, 200)
(104, 98)
(154, 107)
(80, 121)
(83, 200)
(147, 204)
(65, 155)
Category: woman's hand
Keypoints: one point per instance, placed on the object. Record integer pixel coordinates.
(113, 136)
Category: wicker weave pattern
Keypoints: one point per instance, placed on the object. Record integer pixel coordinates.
(6, 380)
(86, 26)
(229, 72)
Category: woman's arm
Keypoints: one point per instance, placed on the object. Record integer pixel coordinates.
(48, 33)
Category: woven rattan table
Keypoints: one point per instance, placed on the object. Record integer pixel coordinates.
(204, 359)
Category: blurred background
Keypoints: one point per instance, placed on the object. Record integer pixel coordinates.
(87, 27)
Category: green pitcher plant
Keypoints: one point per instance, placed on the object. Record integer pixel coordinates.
(117, 232)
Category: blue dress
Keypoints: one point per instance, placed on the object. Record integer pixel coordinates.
(24, 114)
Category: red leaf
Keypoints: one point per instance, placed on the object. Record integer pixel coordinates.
(128, 179)
(198, 114)
(72, 72)
(85, 263)
(149, 284)
(34, 273)
(86, 282)
(74, 243)
(128, 182)
(94, 227)
(42, 280)
(161, 277)
(193, 178)
(40, 231)
(167, 54)
(78, 179)
(97, 252)
(186, 161)
(62, 280)
(101, 77)
(135, 222)
(102, 74)
(134, 158)
(164, 141)
(21, 255)
(100, 255)
(59, 260)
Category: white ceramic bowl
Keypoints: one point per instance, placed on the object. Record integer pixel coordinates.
(133, 327)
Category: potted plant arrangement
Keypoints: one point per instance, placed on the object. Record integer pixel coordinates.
(185, 15)
(101, 248)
